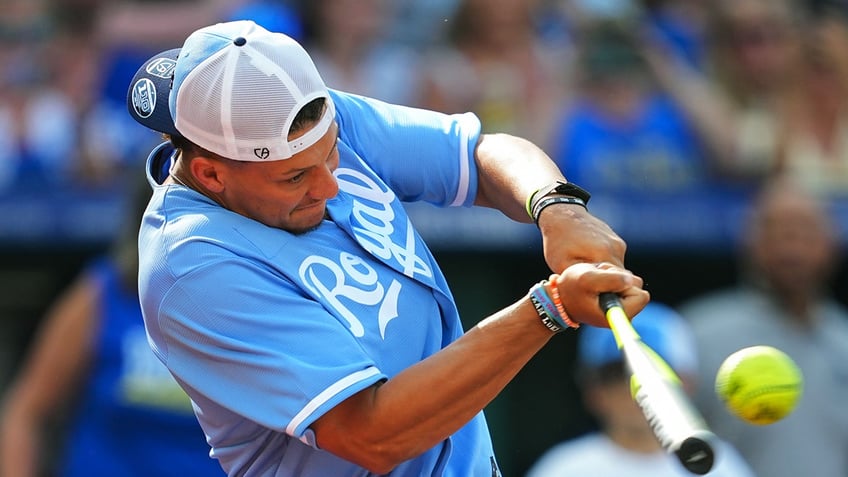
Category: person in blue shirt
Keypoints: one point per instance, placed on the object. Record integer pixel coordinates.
(284, 286)
(622, 132)
(91, 370)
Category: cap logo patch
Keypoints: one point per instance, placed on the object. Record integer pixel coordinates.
(162, 67)
(144, 97)
(262, 152)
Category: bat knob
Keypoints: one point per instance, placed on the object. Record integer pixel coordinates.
(696, 453)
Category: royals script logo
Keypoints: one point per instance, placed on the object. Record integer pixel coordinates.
(352, 276)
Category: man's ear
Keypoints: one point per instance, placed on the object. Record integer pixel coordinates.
(208, 173)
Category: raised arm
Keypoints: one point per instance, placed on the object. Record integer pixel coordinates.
(510, 170)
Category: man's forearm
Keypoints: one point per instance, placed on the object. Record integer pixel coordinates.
(424, 404)
(509, 169)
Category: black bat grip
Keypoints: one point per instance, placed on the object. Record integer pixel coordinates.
(608, 300)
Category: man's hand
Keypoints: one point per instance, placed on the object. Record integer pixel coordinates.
(572, 235)
(581, 284)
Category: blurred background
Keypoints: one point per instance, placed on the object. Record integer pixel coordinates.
(671, 112)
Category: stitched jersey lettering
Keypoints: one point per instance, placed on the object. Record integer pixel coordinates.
(374, 214)
(350, 276)
(366, 290)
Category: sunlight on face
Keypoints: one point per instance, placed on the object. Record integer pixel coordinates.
(289, 194)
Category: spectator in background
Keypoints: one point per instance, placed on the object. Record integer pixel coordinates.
(349, 42)
(496, 66)
(91, 370)
(776, 97)
(76, 57)
(619, 131)
(786, 260)
(681, 26)
(786, 73)
(813, 142)
(625, 444)
(40, 102)
(756, 59)
(62, 123)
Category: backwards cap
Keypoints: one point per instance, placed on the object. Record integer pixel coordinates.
(659, 326)
(235, 91)
(147, 99)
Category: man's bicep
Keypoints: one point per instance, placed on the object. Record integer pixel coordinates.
(352, 430)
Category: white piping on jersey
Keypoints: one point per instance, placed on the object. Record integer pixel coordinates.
(464, 170)
(326, 395)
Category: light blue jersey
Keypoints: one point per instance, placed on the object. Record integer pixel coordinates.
(267, 330)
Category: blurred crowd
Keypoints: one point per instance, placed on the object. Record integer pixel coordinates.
(643, 98)
(650, 95)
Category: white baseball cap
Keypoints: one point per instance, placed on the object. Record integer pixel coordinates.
(237, 88)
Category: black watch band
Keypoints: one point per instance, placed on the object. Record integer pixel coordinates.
(557, 193)
(564, 188)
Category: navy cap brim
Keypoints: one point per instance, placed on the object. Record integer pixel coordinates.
(147, 98)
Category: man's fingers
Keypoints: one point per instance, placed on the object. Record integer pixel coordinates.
(582, 283)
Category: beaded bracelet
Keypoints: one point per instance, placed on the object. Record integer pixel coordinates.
(553, 316)
(540, 294)
(554, 292)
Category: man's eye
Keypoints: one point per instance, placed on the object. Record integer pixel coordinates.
(297, 178)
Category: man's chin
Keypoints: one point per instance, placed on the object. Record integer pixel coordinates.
(304, 226)
(304, 230)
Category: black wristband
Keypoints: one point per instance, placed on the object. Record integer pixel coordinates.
(537, 208)
(559, 189)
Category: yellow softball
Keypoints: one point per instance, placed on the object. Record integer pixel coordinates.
(761, 384)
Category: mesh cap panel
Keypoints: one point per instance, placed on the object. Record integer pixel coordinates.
(240, 88)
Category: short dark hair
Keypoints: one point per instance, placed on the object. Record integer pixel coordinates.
(309, 114)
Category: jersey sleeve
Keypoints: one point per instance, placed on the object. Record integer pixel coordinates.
(422, 155)
(258, 347)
